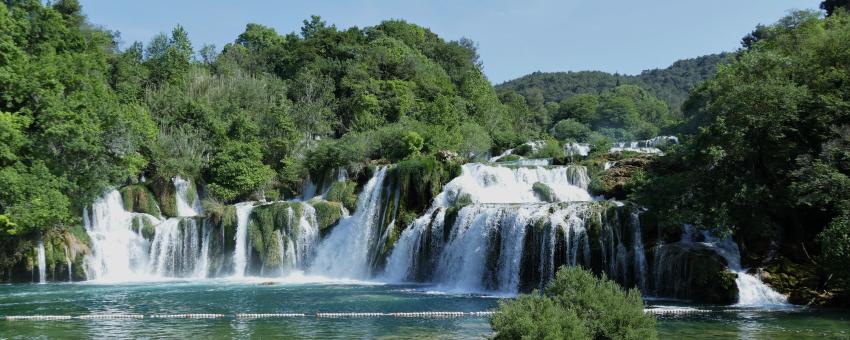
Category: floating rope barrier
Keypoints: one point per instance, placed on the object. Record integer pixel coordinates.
(269, 315)
(110, 316)
(653, 311)
(187, 316)
(676, 311)
(38, 317)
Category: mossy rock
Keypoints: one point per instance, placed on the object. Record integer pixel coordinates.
(697, 273)
(619, 181)
(544, 192)
(138, 198)
(343, 192)
(509, 158)
(79, 233)
(270, 223)
(143, 226)
(328, 214)
(166, 196)
(800, 282)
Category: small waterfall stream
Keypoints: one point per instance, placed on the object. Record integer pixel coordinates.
(42, 262)
(241, 251)
(188, 202)
(346, 252)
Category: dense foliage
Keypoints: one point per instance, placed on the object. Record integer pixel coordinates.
(768, 148)
(588, 105)
(672, 84)
(575, 305)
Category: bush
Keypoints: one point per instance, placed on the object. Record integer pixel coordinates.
(551, 149)
(576, 305)
(570, 129)
(343, 192)
(835, 245)
(537, 317)
(328, 214)
(238, 170)
(523, 150)
(543, 192)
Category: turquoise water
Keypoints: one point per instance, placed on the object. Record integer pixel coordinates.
(231, 297)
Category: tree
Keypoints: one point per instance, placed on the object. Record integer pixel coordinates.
(237, 170)
(570, 130)
(830, 6)
(575, 305)
(767, 160)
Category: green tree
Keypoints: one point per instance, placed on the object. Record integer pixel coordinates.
(237, 170)
(830, 6)
(575, 305)
(570, 130)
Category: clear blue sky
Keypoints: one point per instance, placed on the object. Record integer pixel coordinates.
(515, 37)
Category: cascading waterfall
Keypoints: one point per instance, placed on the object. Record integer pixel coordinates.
(493, 228)
(672, 260)
(752, 292)
(241, 251)
(118, 252)
(345, 253)
(42, 262)
(129, 246)
(490, 231)
(498, 184)
(188, 202)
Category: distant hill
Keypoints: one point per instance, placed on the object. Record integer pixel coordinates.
(671, 84)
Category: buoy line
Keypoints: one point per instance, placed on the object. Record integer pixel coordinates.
(326, 315)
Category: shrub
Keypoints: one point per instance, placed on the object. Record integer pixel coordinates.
(570, 129)
(576, 305)
(543, 192)
(343, 192)
(238, 170)
(328, 214)
(551, 149)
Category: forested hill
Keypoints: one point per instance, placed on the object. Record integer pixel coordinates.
(671, 84)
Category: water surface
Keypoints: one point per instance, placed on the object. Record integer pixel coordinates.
(312, 295)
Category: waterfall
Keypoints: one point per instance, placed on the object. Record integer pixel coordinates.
(202, 269)
(42, 262)
(118, 252)
(128, 246)
(482, 183)
(345, 253)
(752, 292)
(241, 251)
(302, 247)
(177, 248)
(188, 202)
(489, 231)
(68, 263)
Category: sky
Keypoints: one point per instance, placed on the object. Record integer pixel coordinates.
(514, 37)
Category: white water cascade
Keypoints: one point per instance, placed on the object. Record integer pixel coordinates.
(498, 184)
(504, 238)
(128, 246)
(118, 252)
(345, 253)
(242, 251)
(42, 262)
(752, 292)
(188, 202)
